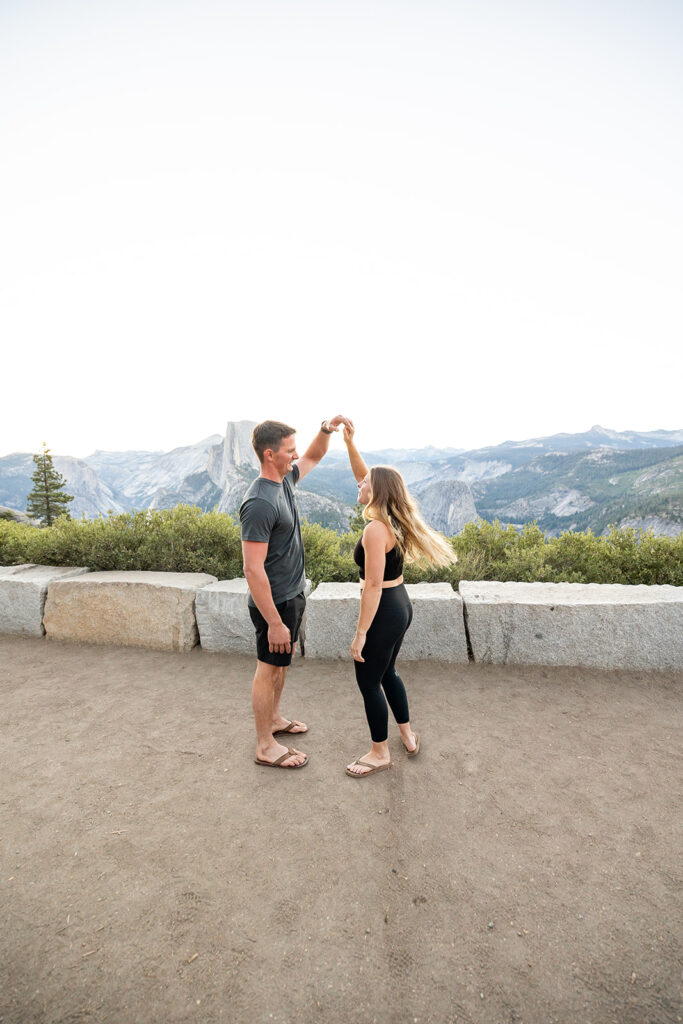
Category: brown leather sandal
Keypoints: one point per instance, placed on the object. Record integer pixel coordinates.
(279, 764)
(290, 728)
(414, 753)
(366, 764)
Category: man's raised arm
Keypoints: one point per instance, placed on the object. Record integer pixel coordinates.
(320, 443)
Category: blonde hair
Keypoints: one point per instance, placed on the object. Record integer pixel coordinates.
(391, 504)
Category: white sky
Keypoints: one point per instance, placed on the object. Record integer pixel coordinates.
(456, 222)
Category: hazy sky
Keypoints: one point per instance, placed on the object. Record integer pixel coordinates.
(456, 222)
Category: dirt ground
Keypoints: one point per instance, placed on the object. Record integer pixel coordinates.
(524, 868)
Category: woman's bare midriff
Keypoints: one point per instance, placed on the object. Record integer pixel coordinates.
(386, 583)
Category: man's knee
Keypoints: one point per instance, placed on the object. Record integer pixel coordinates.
(271, 673)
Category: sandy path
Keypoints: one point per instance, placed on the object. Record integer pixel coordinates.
(524, 868)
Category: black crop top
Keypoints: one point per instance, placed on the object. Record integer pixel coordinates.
(393, 567)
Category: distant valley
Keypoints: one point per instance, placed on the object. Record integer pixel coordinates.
(564, 482)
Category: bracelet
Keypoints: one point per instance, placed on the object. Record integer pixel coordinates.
(324, 429)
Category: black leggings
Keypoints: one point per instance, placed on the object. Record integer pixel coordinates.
(377, 671)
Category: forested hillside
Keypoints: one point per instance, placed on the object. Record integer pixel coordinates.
(591, 490)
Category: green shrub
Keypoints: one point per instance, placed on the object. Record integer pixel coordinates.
(329, 555)
(182, 539)
(185, 539)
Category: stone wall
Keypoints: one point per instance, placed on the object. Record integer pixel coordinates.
(23, 591)
(131, 609)
(592, 625)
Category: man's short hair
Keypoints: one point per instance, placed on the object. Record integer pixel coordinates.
(269, 434)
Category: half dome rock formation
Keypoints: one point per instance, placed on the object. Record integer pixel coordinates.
(447, 505)
(232, 454)
(233, 465)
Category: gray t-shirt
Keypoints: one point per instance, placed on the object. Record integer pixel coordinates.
(268, 514)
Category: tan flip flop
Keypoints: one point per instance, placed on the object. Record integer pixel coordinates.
(290, 728)
(279, 764)
(414, 753)
(366, 764)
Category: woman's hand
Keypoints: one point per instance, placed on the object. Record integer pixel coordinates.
(357, 645)
(336, 421)
(349, 431)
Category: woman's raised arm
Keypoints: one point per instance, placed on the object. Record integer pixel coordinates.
(358, 467)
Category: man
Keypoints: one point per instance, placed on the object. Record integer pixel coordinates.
(273, 554)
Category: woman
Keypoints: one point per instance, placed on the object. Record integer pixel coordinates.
(395, 532)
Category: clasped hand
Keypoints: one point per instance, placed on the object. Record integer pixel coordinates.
(336, 422)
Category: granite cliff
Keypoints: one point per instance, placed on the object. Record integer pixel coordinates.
(447, 505)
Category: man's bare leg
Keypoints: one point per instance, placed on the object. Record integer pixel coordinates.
(279, 720)
(266, 679)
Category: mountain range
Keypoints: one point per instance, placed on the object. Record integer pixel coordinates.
(566, 481)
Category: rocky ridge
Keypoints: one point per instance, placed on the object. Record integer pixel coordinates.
(564, 482)
(13, 515)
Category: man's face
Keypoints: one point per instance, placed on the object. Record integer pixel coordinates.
(285, 455)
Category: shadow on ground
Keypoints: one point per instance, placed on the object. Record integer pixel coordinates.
(522, 869)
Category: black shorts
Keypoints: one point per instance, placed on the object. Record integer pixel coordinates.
(291, 612)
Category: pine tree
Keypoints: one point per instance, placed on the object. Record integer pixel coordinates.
(48, 499)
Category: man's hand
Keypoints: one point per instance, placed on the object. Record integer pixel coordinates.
(334, 424)
(279, 639)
